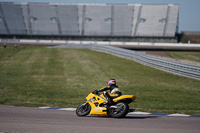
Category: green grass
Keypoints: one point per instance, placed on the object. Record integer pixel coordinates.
(185, 55)
(37, 76)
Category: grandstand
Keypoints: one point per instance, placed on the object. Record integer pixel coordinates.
(134, 22)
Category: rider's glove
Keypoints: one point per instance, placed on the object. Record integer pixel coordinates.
(96, 92)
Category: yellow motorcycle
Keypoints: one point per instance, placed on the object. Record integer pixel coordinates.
(96, 106)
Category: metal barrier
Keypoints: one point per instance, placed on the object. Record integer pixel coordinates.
(175, 67)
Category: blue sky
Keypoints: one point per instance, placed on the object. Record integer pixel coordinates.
(189, 18)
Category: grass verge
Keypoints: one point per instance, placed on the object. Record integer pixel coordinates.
(185, 55)
(37, 76)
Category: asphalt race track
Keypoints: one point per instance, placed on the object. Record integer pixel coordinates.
(33, 120)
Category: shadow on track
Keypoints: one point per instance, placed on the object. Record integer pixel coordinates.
(127, 117)
(140, 117)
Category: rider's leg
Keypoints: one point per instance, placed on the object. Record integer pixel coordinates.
(109, 98)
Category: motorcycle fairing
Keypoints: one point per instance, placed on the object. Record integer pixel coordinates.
(95, 101)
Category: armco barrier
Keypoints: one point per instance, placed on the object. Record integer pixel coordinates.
(175, 67)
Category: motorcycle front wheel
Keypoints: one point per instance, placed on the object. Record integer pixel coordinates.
(83, 109)
(121, 110)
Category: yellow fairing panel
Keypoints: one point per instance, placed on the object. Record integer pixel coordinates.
(94, 102)
(125, 97)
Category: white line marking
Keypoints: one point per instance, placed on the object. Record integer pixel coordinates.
(179, 115)
(68, 109)
(132, 113)
(139, 113)
(44, 107)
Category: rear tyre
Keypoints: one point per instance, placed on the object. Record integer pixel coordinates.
(121, 110)
(83, 109)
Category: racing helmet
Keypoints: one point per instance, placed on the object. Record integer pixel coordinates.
(111, 82)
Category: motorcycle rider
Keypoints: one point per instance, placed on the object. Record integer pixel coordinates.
(114, 91)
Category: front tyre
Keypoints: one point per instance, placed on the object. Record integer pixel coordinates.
(83, 109)
(121, 110)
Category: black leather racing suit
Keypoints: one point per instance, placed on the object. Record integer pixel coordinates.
(114, 93)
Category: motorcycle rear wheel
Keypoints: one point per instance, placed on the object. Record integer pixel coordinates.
(83, 109)
(121, 110)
